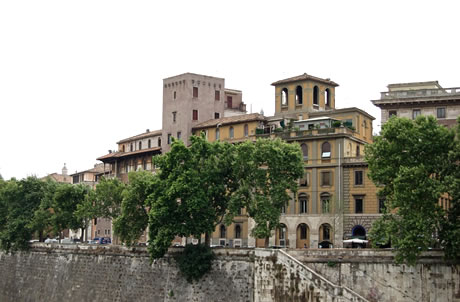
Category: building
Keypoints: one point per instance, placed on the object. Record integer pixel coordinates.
(420, 98)
(62, 178)
(190, 99)
(335, 199)
(134, 154)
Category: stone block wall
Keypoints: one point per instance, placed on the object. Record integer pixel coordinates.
(95, 273)
(374, 275)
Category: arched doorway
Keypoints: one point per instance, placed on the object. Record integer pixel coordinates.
(303, 236)
(281, 235)
(325, 236)
(358, 231)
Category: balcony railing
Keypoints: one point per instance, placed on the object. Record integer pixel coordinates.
(267, 131)
(420, 93)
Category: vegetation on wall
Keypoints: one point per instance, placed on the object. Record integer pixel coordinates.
(417, 164)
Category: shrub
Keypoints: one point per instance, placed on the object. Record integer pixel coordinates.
(195, 261)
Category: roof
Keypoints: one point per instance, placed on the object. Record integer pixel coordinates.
(434, 84)
(98, 168)
(304, 77)
(141, 136)
(115, 155)
(231, 120)
(192, 74)
(339, 111)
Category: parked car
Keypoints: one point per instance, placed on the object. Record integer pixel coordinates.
(102, 240)
(51, 240)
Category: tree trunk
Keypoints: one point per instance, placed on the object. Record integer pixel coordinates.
(82, 235)
(40, 236)
(206, 239)
(267, 241)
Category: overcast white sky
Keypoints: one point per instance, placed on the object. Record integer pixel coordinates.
(78, 76)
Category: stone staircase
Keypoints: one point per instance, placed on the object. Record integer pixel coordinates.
(281, 277)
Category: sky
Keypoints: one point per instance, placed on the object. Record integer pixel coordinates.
(78, 76)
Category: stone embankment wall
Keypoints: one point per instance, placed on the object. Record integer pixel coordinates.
(111, 273)
(103, 273)
(373, 274)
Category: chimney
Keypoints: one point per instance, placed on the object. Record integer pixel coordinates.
(148, 130)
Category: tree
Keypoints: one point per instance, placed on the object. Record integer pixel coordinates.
(66, 199)
(416, 162)
(191, 192)
(264, 171)
(107, 198)
(18, 202)
(41, 221)
(133, 219)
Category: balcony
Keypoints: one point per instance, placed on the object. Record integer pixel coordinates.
(286, 133)
(403, 94)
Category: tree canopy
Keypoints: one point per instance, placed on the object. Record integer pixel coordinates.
(200, 186)
(417, 163)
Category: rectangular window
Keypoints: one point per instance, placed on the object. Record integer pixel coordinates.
(174, 95)
(325, 205)
(174, 116)
(392, 113)
(216, 115)
(229, 102)
(195, 92)
(415, 113)
(169, 138)
(326, 178)
(217, 95)
(381, 204)
(359, 204)
(195, 115)
(358, 178)
(441, 112)
(179, 134)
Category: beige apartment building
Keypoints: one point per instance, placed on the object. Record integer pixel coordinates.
(420, 98)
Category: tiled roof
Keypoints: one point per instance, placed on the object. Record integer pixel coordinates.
(141, 136)
(98, 168)
(115, 155)
(332, 112)
(231, 120)
(304, 77)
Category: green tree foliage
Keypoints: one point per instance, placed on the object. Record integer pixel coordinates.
(41, 221)
(264, 171)
(133, 219)
(416, 162)
(192, 191)
(195, 261)
(107, 198)
(18, 202)
(65, 202)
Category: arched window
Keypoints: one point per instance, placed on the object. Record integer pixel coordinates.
(298, 95)
(303, 231)
(150, 144)
(159, 142)
(304, 148)
(217, 134)
(231, 132)
(140, 145)
(282, 232)
(325, 203)
(327, 98)
(326, 231)
(223, 231)
(315, 96)
(284, 97)
(237, 231)
(326, 150)
(303, 203)
(358, 153)
(246, 130)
